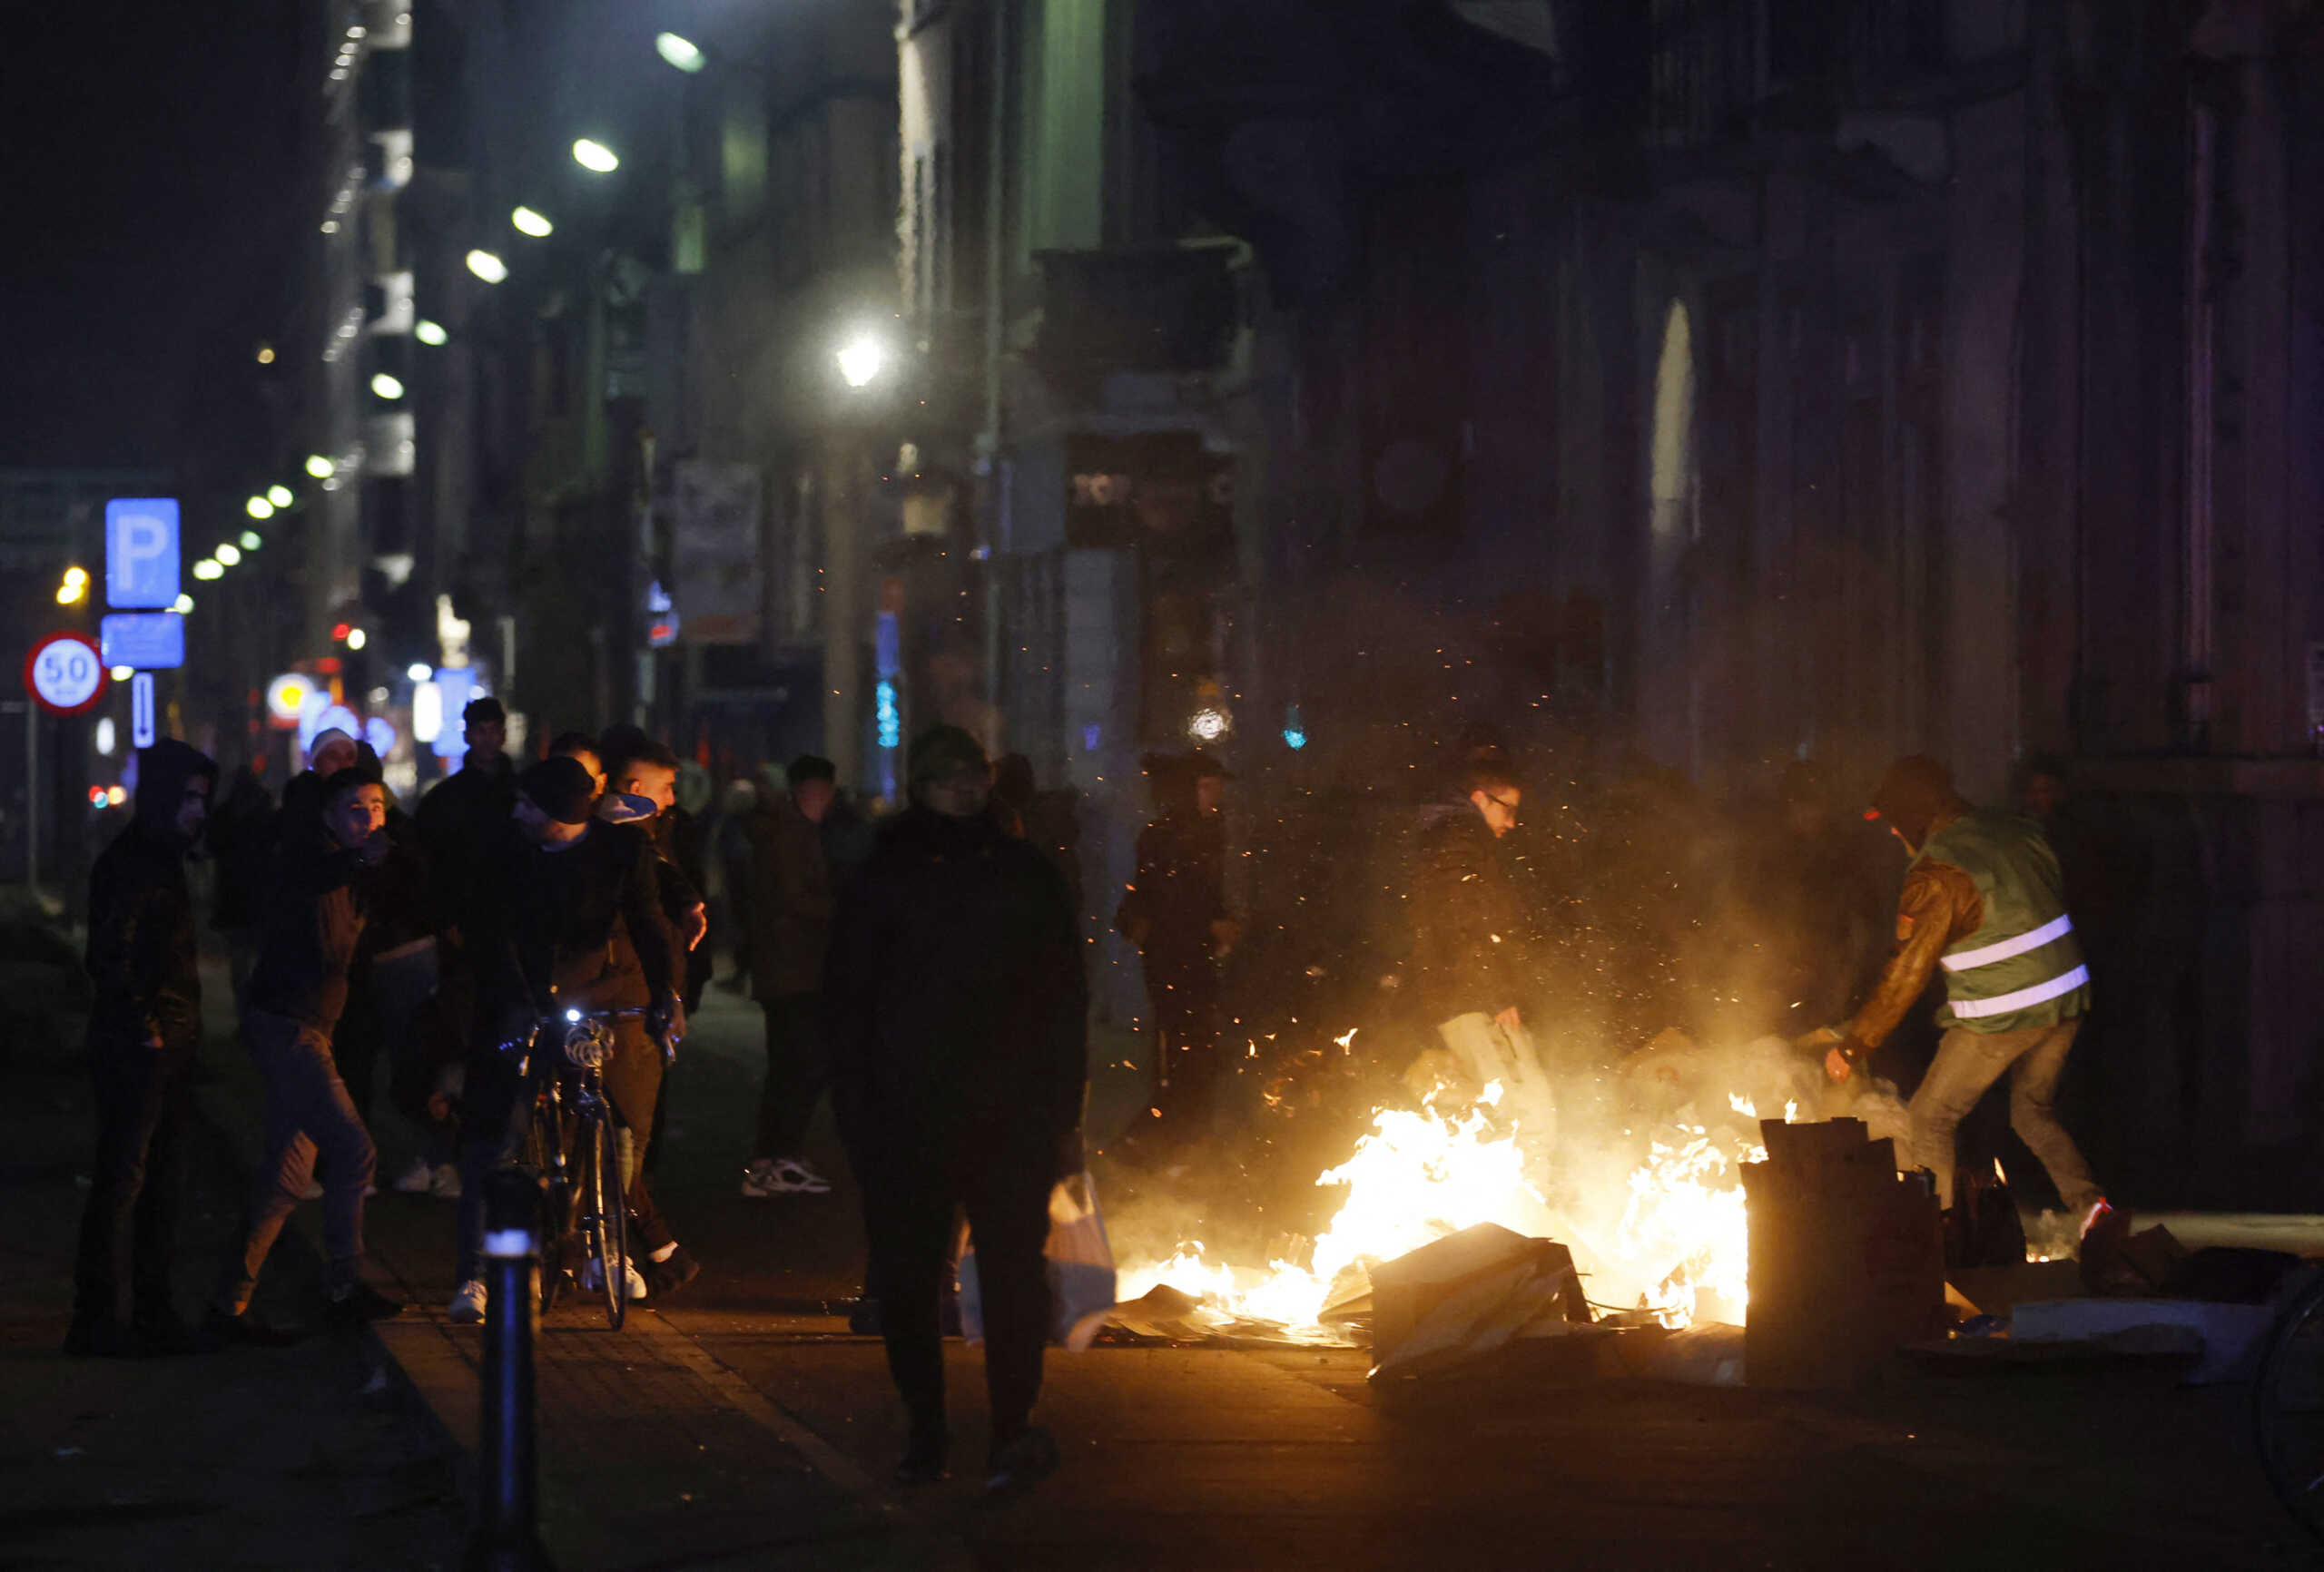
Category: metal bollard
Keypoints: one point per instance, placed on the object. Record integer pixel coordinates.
(506, 1538)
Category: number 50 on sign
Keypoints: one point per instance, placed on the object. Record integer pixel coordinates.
(65, 673)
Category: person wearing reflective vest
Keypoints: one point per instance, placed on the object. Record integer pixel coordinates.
(1983, 903)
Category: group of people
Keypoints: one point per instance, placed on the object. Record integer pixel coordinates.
(929, 976)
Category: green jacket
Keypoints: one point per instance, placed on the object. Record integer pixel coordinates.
(2023, 966)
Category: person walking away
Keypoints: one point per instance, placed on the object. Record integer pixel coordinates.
(1176, 912)
(1984, 901)
(572, 921)
(297, 993)
(1468, 928)
(958, 1015)
(790, 904)
(464, 817)
(145, 1028)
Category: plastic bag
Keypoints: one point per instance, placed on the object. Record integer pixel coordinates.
(1080, 1270)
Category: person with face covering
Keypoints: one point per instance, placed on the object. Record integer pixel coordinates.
(143, 1030)
(957, 1013)
(297, 992)
(1984, 901)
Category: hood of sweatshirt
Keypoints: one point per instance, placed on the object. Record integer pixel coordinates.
(162, 772)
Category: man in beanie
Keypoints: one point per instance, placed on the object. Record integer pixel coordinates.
(568, 915)
(1983, 900)
(957, 1020)
(144, 1025)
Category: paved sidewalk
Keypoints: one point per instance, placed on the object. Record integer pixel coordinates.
(305, 1458)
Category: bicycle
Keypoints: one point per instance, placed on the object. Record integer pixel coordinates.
(2288, 1406)
(579, 1165)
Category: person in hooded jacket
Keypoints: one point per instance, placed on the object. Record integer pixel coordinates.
(321, 904)
(143, 1030)
(957, 1010)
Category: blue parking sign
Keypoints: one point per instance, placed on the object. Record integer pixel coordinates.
(141, 551)
(149, 641)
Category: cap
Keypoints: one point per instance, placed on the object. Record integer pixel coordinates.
(561, 788)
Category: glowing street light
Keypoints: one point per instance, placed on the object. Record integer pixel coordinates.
(183, 604)
(355, 638)
(74, 588)
(208, 569)
(385, 387)
(595, 156)
(860, 360)
(530, 222)
(279, 495)
(318, 466)
(420, 671)
(429, 333)
(679, 52)
(228, 553)
(258, 508)
(252, 540)
(487, 267)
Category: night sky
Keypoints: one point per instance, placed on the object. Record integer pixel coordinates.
(154, 205)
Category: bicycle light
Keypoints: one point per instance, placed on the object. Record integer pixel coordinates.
(572, 1016)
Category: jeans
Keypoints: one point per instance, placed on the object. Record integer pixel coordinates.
(798, 1072)
(308, 1111)
(144, 1097)
(909, 1199)
(1967, 1063)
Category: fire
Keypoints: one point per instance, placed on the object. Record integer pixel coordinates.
(1670, 1234)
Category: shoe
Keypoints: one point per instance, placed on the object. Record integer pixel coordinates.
(1022, 1463)
(926, 1459)
(467, 1304)
(783, 1176)
(313, 1192)
(593, 1278)
(222, 1330)
(416, 1180)
(359, 1305)
(106, 1339)
(445, 1183)
(672, 1272)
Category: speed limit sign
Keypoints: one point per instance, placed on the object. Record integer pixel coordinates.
(66, 674)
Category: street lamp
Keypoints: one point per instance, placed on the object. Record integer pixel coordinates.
(228, 553)
(182, 605)
(74, 588)
(679, 52)
(487, 267)
(251, 540)
(258, 508)
(279, 495)
(355, 638)
(595, 156)
(429, 333)
(318, 466)
(208, 569)
(860, 360)
(385, 387)
(530, 222)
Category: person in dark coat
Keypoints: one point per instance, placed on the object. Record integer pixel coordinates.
(572, 919)
(463, 818)
(790, 902)
(143, 1030)
(297, 992)
(1176, 912)
(241, 835)
(958, 1018)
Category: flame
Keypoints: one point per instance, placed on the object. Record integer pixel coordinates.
(1674, 1227)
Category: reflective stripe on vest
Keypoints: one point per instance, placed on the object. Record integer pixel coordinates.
(2055, 928)
(2024, 999)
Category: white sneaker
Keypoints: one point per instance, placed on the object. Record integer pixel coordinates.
(592, 1277)
(784, 1177)
(445, 1183)
(416, 1179)
(467, 1305)
(313, 1192)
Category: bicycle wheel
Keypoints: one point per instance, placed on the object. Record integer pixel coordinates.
(542, 1153)
(606, 1215)
(2287, 1408)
